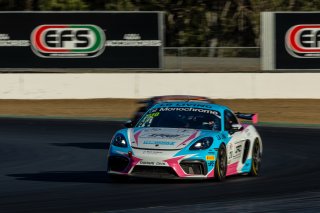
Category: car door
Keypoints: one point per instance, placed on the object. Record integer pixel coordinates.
(236, 141)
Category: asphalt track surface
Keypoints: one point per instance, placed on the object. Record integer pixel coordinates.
(59, 166)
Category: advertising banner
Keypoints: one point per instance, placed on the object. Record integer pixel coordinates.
(81, 39)
(291, 40)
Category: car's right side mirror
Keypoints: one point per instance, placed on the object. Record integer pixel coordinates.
(236, 127)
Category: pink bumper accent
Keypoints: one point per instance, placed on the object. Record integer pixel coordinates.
(232, 169)
(133, 162)
(174, 163)
(211, 173)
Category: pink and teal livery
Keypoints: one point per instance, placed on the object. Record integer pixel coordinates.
(186, 139)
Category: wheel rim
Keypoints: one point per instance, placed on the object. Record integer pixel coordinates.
(256, 158)
(222, 162)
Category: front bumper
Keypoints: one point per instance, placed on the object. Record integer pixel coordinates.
(174, 168)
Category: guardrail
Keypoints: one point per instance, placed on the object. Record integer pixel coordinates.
(212, 59)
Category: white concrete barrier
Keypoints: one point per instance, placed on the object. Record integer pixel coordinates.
(141, 85)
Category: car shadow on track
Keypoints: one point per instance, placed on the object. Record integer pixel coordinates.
(92, 177)
(65, 176)
(90, 145)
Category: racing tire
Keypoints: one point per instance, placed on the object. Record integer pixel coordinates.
(256, 159)
(220, 169)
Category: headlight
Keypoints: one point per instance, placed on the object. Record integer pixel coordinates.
(119, 140)
(202, 144)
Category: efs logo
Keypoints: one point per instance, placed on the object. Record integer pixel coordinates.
(68, 41)
(303, 41)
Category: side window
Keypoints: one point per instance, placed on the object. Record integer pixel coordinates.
(229, 119)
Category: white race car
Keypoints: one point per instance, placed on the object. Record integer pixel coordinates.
(186, 139)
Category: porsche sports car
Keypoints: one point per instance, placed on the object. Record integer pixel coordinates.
(186, 139)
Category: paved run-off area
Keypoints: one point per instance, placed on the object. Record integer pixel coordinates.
(300, 111)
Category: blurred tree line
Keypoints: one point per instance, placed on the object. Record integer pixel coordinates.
(201, 23)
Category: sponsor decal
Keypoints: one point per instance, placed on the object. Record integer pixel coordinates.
(211, 163)
(135, 43)
(150, 163)
(133, 40)
(303, 41)
(230, 155)
(159, 143)
(185, 105)
(237, 152)
(187, 109)
(162, 136)
(146, 163)
(156, 114)
(210, 157)
(230, 145)
(151, 152)
(158, 133)
(160, 164)
(68, 41)
(238, 148)
(6, 41)
(152, 130)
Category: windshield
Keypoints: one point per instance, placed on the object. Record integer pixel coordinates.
(182, 117)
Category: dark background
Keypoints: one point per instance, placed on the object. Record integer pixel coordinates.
(283, 23)
(20, 25)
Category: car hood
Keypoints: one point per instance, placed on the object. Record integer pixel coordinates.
(164, 138)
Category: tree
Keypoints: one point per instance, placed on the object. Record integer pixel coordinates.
(62, 5)
(188, 23)
(11, 5)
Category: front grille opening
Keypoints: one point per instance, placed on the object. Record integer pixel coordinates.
(118, 163)
(154, 171)
(194, 167)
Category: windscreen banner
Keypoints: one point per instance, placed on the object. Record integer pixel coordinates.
(81, 39)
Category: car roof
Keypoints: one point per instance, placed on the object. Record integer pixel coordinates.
(180, 97)
(192, 104)
(173, 98)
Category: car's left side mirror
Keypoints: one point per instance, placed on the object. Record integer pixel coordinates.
(129, 124)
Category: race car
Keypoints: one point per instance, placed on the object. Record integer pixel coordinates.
(190, 139)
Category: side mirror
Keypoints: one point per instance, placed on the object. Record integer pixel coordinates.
(129, 124)
(236, 127)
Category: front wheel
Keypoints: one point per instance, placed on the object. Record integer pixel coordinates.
(256, 159)
(220, 169)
